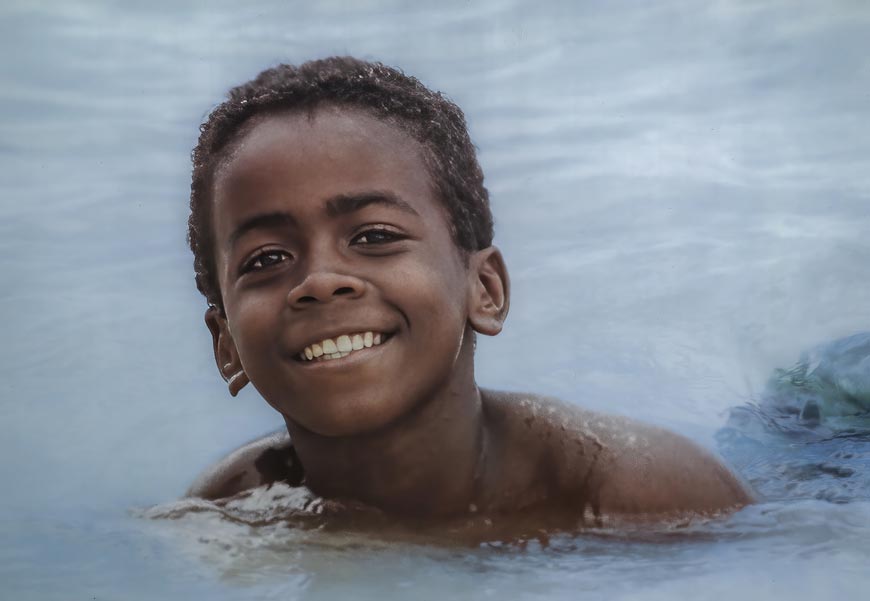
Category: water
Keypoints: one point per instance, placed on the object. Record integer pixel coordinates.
(681, 193)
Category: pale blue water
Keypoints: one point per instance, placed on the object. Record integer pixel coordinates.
(682, 193)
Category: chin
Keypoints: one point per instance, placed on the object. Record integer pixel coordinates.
(354, 416)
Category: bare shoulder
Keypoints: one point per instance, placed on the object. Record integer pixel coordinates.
(616, 465)
(645, 469)
(268, 459)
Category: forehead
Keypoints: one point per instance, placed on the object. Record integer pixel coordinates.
(301, 158)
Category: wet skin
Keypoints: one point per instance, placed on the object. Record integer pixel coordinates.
(327, 223)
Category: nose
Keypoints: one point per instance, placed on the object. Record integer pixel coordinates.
(323, 287)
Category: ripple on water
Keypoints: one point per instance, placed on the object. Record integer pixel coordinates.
(287, 535)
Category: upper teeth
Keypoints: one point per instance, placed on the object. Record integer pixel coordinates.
(335, 348)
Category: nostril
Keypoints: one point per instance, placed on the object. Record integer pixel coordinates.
(323, 287)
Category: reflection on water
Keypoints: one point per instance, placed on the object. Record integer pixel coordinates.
(304, 558)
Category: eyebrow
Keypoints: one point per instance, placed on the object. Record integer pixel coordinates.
(337, 206)
(345, 204)
(261, 221)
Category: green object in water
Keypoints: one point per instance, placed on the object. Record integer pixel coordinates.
(830, 380)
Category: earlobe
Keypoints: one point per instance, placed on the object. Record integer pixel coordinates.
(489, 291)
(225, 354)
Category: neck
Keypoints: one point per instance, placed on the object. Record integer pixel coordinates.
(428, 462)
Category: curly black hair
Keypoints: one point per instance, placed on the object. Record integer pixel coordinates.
(386, 93)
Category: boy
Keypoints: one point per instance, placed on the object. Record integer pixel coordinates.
(343, 238)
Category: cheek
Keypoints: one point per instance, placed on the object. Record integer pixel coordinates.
(253, 333)
(437, 297)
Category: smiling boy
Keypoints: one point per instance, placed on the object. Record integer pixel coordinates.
(343, 239)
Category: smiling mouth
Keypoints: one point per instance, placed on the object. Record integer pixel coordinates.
(341, 346)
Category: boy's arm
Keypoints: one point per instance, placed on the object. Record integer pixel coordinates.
(262, 461)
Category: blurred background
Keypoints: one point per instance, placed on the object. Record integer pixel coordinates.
(681, 191)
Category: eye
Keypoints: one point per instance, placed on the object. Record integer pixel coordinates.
(378, 235)
(265, 260)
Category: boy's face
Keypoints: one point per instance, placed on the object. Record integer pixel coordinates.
(327, 225)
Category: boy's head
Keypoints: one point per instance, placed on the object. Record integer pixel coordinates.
(385, 93)
(343, 227)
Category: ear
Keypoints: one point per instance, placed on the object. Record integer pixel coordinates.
(489, 291)
(225, 354)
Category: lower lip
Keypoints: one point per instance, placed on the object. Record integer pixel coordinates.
(352, 359)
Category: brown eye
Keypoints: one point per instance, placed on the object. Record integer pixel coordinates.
(376, 236)
(265, 260)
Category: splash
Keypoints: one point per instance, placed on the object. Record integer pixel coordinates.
(830, 380)
(808, 436)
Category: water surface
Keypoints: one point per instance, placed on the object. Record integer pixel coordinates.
(681, 193)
